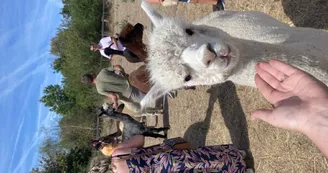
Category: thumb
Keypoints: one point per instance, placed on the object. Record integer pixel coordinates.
(262, 114)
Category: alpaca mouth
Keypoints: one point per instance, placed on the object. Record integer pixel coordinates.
(226, 55)
(222, 55)
(228, 60)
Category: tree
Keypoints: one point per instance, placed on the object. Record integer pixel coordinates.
(57, 100)
(50, 145)
(77, 128)
(57, 64)
(76, 102)
(74, 160)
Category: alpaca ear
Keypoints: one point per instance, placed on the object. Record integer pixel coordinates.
(152, 95)
(153, 15)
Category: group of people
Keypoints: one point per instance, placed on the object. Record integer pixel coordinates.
(300, 103)
(113, 82)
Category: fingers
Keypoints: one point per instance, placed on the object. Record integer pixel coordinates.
(115, 106)
(262, 114)
(265, 74)
(265, 89)
(273, 71)
(283, 67)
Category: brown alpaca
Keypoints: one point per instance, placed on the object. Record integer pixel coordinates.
(131, 38)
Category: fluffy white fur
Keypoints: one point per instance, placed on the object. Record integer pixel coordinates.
(134, 107)
(227, 45)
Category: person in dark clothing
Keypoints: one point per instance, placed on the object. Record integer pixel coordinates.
(130, 56)
(108, 47)
(217, 4)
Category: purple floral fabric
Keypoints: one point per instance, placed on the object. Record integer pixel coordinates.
(220, 158)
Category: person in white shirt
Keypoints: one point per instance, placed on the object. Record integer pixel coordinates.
(108, 47)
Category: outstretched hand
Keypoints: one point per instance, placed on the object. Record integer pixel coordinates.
(294, 93)
(300, 100)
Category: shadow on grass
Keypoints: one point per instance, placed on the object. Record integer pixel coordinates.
(234, 118)
(196, 133)
(307, 13)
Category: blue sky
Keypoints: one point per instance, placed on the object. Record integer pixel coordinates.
(26, 27)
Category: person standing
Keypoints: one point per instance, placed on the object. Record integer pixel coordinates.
(108, 47)
(113, 83)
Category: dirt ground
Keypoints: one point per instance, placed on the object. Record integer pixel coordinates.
(220, 114)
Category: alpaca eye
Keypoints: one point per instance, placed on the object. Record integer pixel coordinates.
(189, 31)
(187, 78)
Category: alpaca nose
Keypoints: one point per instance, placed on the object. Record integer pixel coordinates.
(210, 48)
(224, 51)
(221, 50)
(207, 54)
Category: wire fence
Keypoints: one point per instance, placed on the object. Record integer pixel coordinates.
(102, 59)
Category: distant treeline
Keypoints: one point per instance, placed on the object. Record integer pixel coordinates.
(75, 102)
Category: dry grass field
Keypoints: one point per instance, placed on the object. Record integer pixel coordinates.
(220, 114)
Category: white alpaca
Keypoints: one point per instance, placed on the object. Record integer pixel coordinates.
(135, 107)
(226, 45)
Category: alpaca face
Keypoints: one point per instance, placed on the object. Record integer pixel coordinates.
(181, 54)
(187, 55)
(209, 56)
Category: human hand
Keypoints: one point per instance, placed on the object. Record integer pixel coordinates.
(300, 100)
(114, 98)
(115, 105)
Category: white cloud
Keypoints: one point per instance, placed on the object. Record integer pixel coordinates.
(57, 3)
(45, 118)
(33, 40)
(16, 140)
(38, 136)
(56, 78)
(6, 36)
(41, 107)
(27, 152)
(43, 18)
(14, 84)
(21, 70)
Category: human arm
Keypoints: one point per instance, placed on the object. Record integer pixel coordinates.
(114, 98)
(119, 68)
(300, 101)
(115, 44)
(136, 141)
(119, 165)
